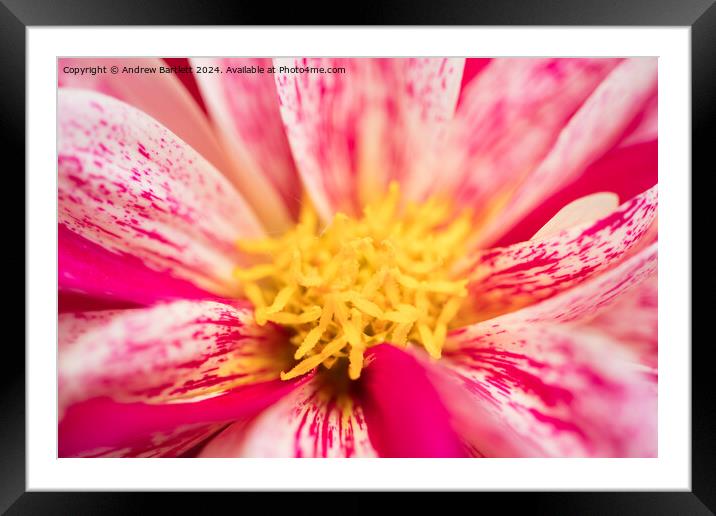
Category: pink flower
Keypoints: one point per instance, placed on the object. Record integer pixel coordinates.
(363, 261)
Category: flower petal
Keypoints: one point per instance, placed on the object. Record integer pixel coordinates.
(588, 299)
(68, 301)
(646, 126)
(560, 391)
(245, 107)
(624, 171)
(506, 279)
(157, 381)
(89, 269)
(353, 132)
(433, 86)
(104, 427)
(473, 67)
(160, 95)
(405, 415)
(508, 118)
(581, 211)
(129, 185)
(633, 321)
(172, 443)
(312, 421)
(588, 135)
(177, 352)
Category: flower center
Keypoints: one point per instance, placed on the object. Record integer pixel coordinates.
(383, 277)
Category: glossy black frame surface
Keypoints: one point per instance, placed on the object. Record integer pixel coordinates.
(700, 15)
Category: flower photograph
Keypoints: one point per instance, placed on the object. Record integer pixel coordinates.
(357, 257)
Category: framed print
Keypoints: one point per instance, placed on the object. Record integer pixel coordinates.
(366, 258)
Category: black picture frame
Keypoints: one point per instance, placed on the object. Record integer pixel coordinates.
(699, 15)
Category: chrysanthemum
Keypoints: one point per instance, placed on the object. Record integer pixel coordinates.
(359, 257)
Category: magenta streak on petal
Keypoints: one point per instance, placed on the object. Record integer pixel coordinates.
(598, 126)
(352, 133)
(505, 279)
(312, 421)
(560, 425)
(562, 391)
(88, 268)
(404, 414)
(503, 369)
(131, 186)
(320, 429)
(509, 117)
(102, 422)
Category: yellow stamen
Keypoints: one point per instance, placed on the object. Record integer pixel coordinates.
(384, 277)
(400, 334)
(281, 299)
(287, 318)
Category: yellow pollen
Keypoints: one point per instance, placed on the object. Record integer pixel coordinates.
(384, 277)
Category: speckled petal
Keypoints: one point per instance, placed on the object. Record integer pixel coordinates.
(548, 391)
(586, 300)
(179, 351)
(312, 421)
(433, 86)
(508, 119)
(506, 279)
(129, 185)
(594, 129)
(160, 95)
(353, 132)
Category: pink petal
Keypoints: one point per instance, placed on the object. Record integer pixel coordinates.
(187, 79)
(633, 321)
(312, 421)
(588, 299)
(405, 415)
(160, 95)
(352, 132)
(129, 185)
(509, 117)
(554, 391)
(505, 279)
(179, 351)
(158, 444)
(625, 171)
(432, 87)
(589, 134)
(102, 426)
(581, 211)
(245, 107)
(646, 125)
(68, 301)
(89, 269)
(473, 67)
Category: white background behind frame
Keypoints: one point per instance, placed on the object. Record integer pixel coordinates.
(670, 471)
